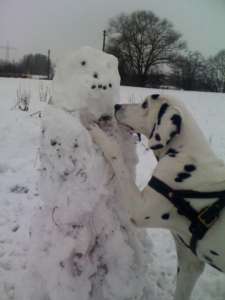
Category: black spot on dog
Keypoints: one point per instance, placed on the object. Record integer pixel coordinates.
(155, 96)
(217, 268)
(93, 86)
(139, 136)
(152, 132)
(83, 63)
(183, 241)
(182, 176)
(145, 104)
(172, 135)
(95, 75)
(189, 168)
(176, 120)
(162, 111)
(165, 216)
(214, 253)
(157, 147)
(172, 152)
(209, 259)
(147, 218)
(178, 179)
(157, 137)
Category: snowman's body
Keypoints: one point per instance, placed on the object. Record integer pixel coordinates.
(83, 246)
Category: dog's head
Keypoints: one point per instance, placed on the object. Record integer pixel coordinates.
(158, 118)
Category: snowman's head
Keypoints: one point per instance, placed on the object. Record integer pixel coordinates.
(87, 78)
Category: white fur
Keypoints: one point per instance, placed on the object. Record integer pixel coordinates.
(209, 175)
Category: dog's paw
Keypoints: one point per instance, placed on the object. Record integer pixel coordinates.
(108, 144)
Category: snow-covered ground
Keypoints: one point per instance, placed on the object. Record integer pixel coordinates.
(19, 195)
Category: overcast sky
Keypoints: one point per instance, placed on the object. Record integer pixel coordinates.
(36, 25)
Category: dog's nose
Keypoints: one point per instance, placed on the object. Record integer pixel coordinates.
(117, 107)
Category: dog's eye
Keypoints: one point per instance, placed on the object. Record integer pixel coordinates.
(145, 104)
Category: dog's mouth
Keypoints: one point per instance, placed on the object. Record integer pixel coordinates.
(126, 126)
(131, 131)
(105, 121)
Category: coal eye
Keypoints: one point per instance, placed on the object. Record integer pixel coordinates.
(95, 75)
(83, 63)
(145, 104)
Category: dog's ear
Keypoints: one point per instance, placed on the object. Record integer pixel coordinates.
(167, 126)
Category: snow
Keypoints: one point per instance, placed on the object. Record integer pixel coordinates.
(20, 196)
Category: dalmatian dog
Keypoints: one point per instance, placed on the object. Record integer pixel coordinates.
(186, 193)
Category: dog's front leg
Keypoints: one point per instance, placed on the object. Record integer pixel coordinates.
(188, 271)
(132, 198)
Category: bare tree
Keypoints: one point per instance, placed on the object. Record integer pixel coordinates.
(216, 71)
(141, 40)
(189, 71)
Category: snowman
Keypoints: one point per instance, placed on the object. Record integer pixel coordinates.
(83, 245)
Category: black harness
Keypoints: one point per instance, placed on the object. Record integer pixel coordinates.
(201, 221)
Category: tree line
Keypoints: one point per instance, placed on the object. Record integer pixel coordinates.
(152, 53)
(31, 64)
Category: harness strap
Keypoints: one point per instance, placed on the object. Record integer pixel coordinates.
(201, 221)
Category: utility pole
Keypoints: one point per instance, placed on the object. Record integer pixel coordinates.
(7, 49)
(48, 66)
(104, 38)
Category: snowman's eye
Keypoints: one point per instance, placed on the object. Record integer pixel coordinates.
(83, 63)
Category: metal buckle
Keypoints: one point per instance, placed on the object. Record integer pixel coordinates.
(203, 221)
